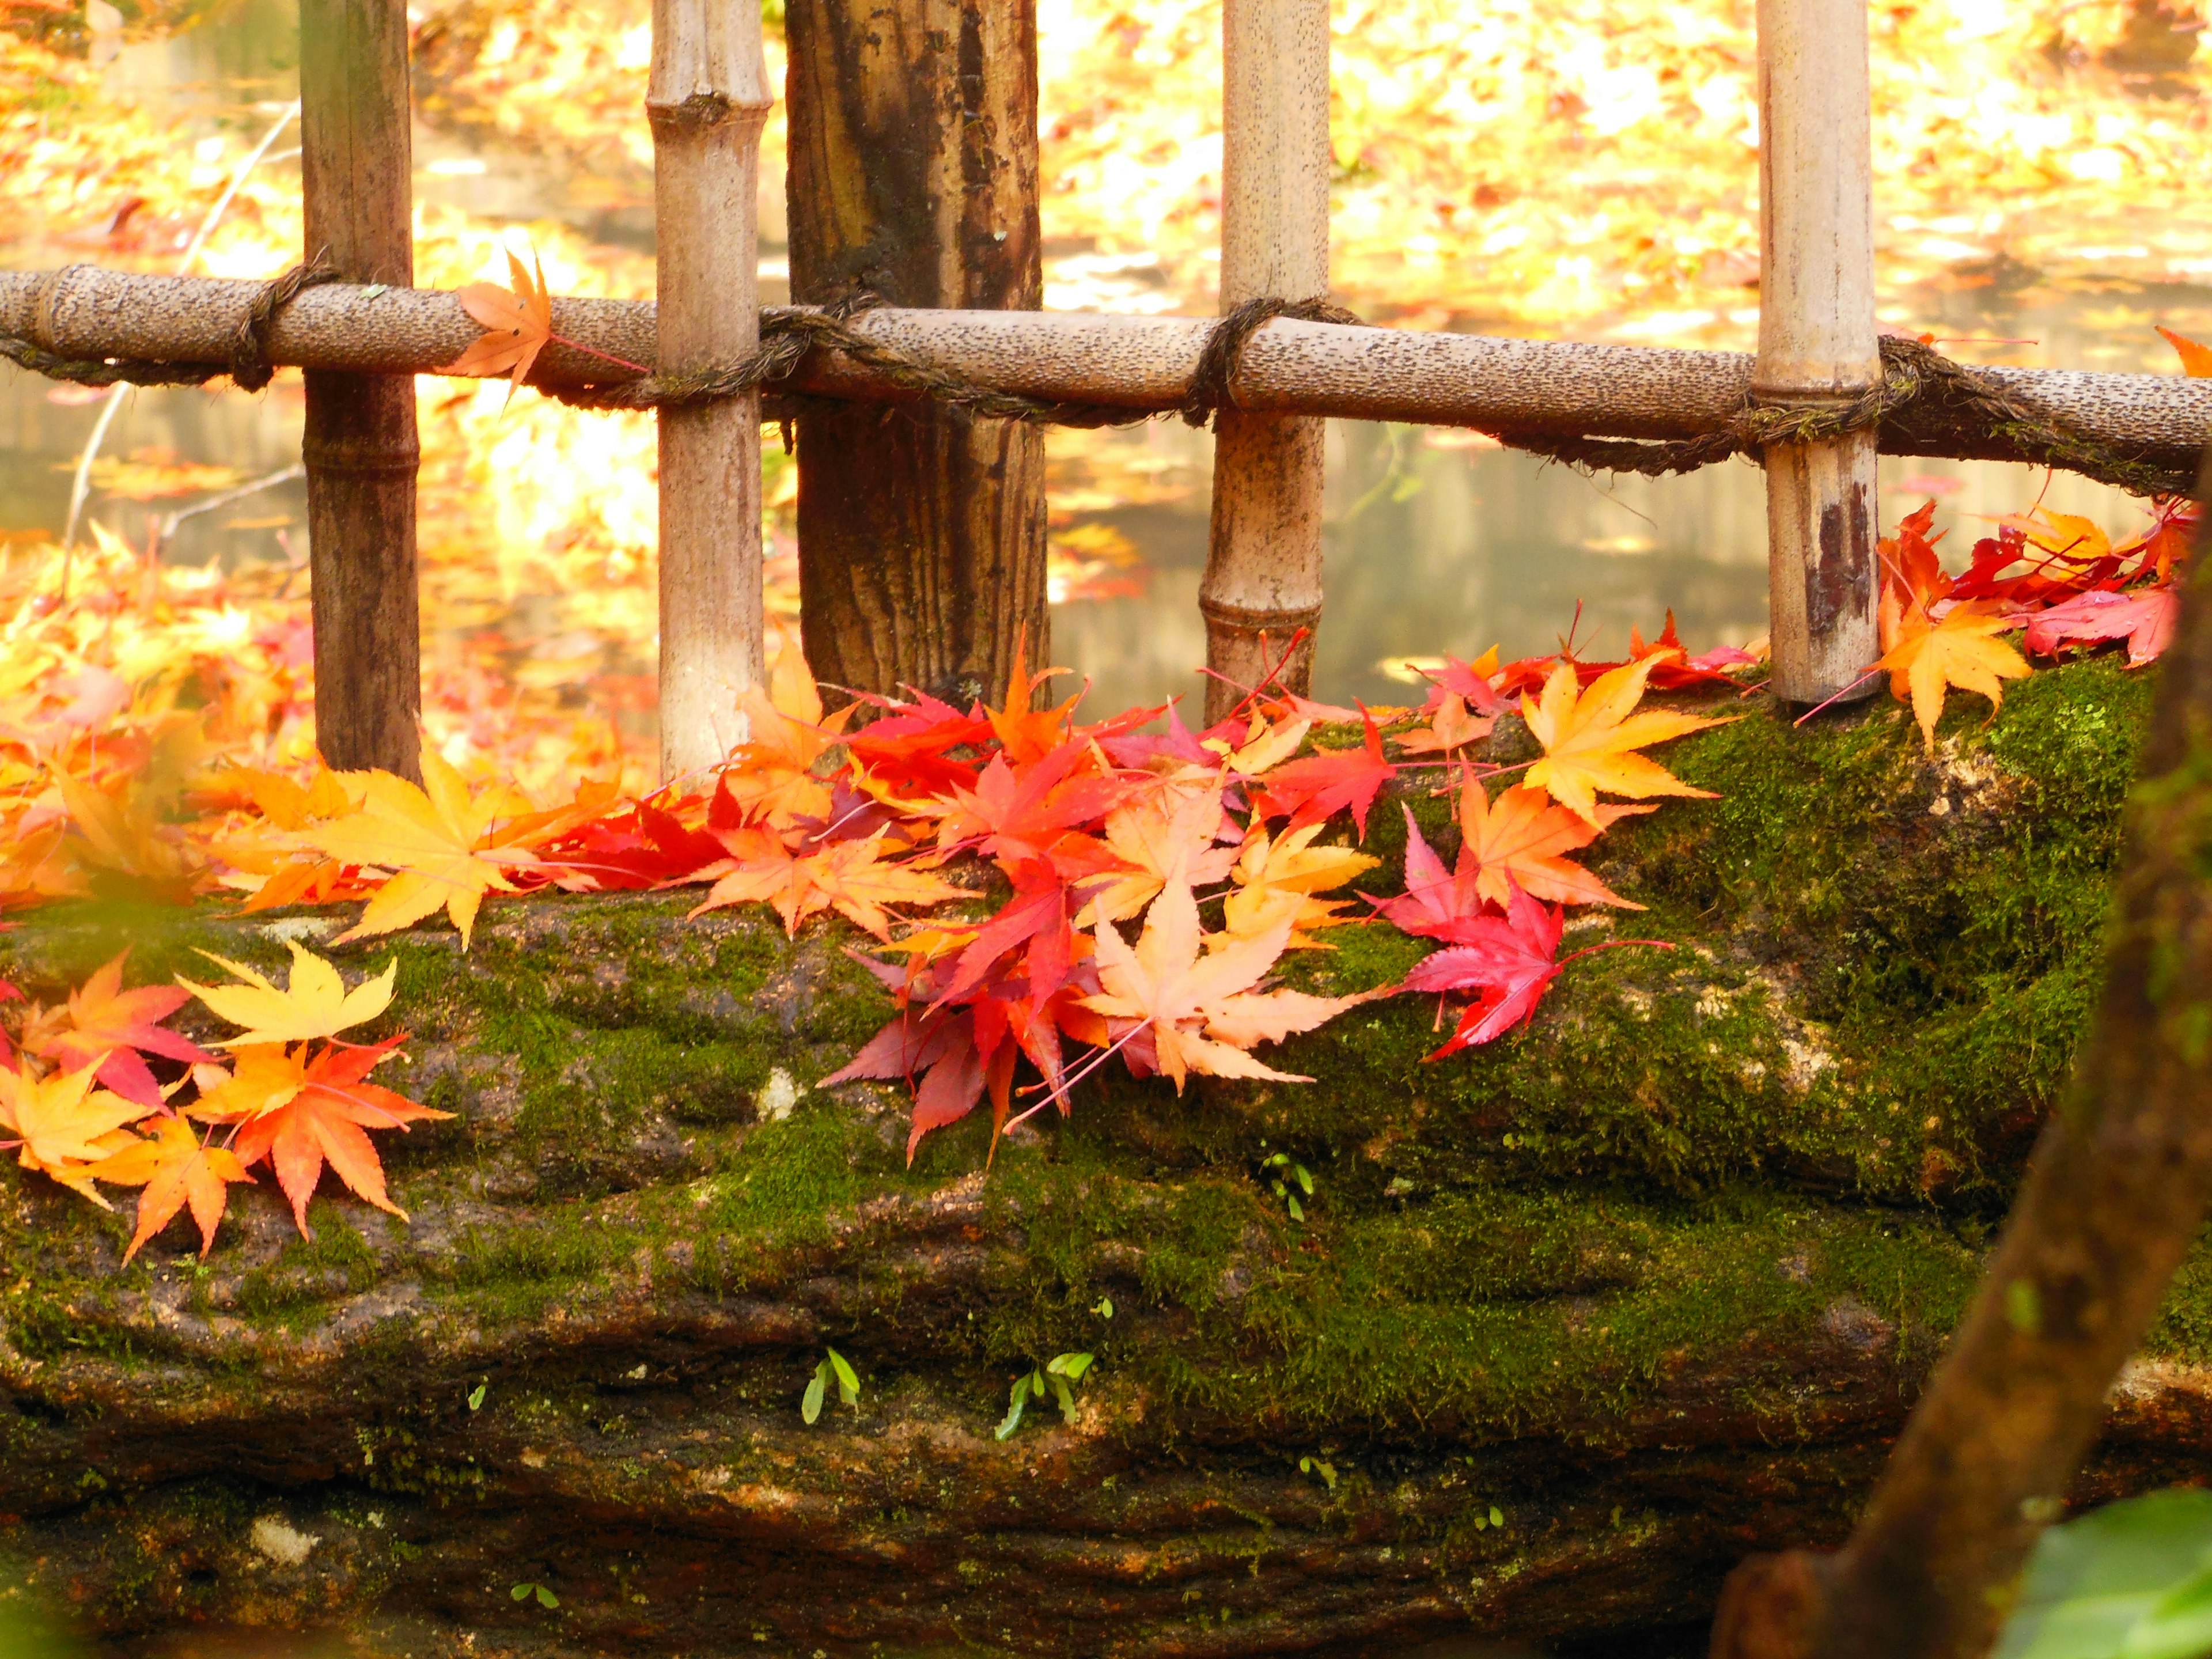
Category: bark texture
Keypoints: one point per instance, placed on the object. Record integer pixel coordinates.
(913, 175)
(2115, 1194)
(1655, 1282)
(1143, 363)
(359, 445)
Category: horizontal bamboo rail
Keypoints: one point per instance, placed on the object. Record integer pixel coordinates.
(1140, 363)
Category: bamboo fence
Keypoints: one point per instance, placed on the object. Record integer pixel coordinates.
(1817, 349)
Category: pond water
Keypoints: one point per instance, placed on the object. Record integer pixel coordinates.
(1436, 542)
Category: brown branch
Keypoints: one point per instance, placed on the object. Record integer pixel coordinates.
(2116, 1191)
(1142, 363)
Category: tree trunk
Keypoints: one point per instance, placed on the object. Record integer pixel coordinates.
(913, 175)
(359, 445)
(2114, 1199)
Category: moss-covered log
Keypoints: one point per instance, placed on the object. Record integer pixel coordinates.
(1573, 1323)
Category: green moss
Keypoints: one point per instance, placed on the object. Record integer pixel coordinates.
(336, 1261)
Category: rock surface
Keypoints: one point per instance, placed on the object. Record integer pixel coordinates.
(1571, 1324)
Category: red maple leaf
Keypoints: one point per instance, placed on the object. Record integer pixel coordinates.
(909, 751)
(1324, 784)
(1016, 813)
(123, 1026)
(1509, 961)
(2144, 618)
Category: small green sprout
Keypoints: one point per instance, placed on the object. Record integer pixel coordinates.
(1289, 1173)
(1103, 1307)
(546, 1599)
(834, 1368)
(1326, 1470)
(1060, 1373)
(477, 1394)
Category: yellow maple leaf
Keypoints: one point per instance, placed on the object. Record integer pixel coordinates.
(1278, 879)
(445, 849)
(314, 1003)
(1202, 1007)
(1589, 737)
(1961, 650)
(61, 1126)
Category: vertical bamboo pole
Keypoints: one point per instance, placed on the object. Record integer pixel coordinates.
(1263, 562)
(707, 97)
(359, 446)
(1816, 339)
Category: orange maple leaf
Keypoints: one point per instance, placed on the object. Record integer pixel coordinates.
(1589, 738)
(1201, 1010)
(2196, 359)
(298, 1110)
(516, 324)
(850, 877)
(1520, 836)
(1960, 650)
(175, 1168)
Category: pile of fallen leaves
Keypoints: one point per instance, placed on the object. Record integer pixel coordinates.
(80, 1103)
(1152, 879)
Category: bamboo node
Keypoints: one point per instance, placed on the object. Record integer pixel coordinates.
(1281, 621)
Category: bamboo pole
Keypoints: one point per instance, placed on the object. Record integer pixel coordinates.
(1141, 364)
(1817, 342)
(1263, 579)
(707, 97)
(359, 445)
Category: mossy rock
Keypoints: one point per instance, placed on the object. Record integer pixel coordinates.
(1570, 1324)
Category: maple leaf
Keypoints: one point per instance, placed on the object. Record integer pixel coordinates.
(850, 877)
(299, 1109)
(1590, 738)
(769, 776)
(1023, 733)
(1277, 879)
(2196, 359)
(1522, 837)
(113, 1028)
(1509, 961)
(60, 1126)
(2144, 618)
(1450, 727)
(1015, 814)
(1324, 784)
(516, 325)
(1470, 682)
(313, 1003)
(1960, 650)
(176, 1168)
(939, 1045)
(1169, 828)
(1912, 575)
(1200, 1009)
(445, 847)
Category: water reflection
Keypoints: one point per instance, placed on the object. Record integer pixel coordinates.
(1438, 543)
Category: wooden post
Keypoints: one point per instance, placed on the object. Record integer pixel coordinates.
(359, 445)
(707, 97)
(1263, 563)
(913, 174)
(1816, 340)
